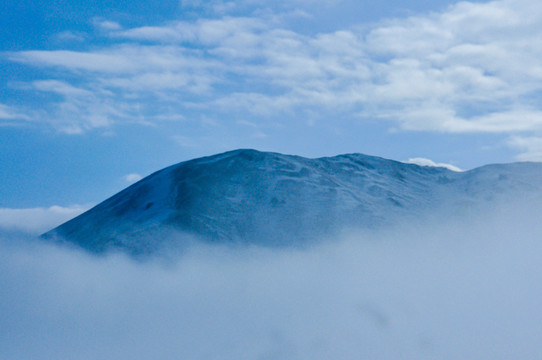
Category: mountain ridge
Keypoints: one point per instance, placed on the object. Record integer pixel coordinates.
(252, 197)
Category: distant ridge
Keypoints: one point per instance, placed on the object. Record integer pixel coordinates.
(252, 197)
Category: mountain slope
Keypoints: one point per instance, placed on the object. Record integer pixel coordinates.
(247, 196)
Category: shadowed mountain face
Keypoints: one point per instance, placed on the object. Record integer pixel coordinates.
(252, 197)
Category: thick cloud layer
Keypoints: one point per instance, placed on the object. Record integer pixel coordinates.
(447, 288)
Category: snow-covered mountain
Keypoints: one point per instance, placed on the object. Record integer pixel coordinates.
(247, 196)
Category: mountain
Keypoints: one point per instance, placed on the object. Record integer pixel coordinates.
(252, 197)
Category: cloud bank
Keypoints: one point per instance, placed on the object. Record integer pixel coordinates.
(35, 221)
(443, 288)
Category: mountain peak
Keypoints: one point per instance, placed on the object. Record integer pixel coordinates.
(254, 197)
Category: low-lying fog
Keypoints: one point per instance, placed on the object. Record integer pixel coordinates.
(462, 287)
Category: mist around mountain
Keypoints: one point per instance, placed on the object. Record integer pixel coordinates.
(247, 197)
(455, 276)
(453, 286)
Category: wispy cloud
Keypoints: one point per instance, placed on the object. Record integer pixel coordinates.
(530, 147)
(70, 36)
(106, 25)
(473, 68)
(10, 113)
(61, 88)
(116, 61)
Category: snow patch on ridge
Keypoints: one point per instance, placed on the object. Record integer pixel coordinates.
(427, 162)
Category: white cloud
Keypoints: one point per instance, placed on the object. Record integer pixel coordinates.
(70, 36)
(472, 68)
(83, 109)
(37, 220)
(10, 113)
(106, 25)
(531, 147)
(428, 162)
(60, 87)
(179, 33)
(132, 178)
(116, 61)
(474, 56)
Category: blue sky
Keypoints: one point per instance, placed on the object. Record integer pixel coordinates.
(94, 94)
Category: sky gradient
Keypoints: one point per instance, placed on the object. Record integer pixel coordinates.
(94, 95)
